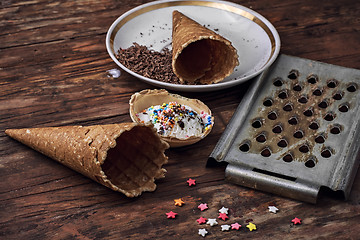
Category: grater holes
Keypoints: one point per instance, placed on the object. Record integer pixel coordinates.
(278, 82)
(288, 107)
(282, 143)
(344, 108)
(338, 95)
(266, 152)
(324, 103)
(261, 137)
(257, 123)
(277, 128)
(326, 152)
(245, 146)
(303, 99)
(312, 79)
(352, 87)
(304, 148)
(297, 87)
(311, 162)
(317, 92)
(330, 116)
(308, 112)
(298, 134)
(320, 138)
(283, 94)
(268, 102)
(335, 129)
(293, 74)
(272, 115)
(332, 83)
(288, 158)
(293, 120)
(314, 125)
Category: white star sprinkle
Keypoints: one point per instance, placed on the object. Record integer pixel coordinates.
(203, 232)
(225, 227)
(212, 221)
(224, 210)
(273, 209)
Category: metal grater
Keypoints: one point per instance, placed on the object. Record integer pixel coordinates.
(296, 130)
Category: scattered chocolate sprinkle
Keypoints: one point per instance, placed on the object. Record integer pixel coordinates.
(148, 63)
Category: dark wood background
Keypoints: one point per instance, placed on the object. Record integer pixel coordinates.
(53, 65)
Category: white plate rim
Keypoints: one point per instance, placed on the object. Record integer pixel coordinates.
(224, 5)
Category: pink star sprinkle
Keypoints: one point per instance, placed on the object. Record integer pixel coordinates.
(235, 226)
(191, 181)
(201, 220)
(296, 221)
(223, 216)
(203, 206)
(171, 214)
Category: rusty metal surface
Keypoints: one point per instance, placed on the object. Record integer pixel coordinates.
(295, 131)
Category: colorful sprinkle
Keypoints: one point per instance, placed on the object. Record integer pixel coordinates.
(201, 220)
(191, 182)
(203, 206)
(171, 214)
(179, 202)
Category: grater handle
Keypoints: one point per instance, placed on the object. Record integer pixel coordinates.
(293, 189)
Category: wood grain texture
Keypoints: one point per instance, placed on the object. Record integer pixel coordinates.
(53, 72)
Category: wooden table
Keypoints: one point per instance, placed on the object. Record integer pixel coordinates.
(53, 72)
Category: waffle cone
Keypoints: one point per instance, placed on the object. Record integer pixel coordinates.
(199, 54)
(125, 157)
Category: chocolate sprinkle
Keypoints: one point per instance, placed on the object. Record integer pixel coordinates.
(148, 63)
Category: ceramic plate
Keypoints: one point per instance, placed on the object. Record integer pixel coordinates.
(254, 37)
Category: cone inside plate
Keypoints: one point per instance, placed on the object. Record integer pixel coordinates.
(125, 157)
(199, 54)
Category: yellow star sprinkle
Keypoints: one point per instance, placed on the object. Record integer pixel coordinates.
(251, 226)
(179, 202)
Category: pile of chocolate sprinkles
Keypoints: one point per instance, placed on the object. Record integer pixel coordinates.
(148, 63)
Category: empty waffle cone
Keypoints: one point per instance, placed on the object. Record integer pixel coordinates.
(125, 157)
(199, 54)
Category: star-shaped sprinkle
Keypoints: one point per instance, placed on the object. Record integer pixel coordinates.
(296, 221)
(171, 214)
(273, 209)
(235, 226)
(179, 202)
(212, 221)
(203, 232)
(191, 181)
(225, 227)
(201, 220)
(203, 206)
(223, 216)
(251, 226)
(224, 210)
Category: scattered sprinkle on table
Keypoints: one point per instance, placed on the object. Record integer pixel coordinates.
(179, 202)
(223, 216)
(235, 226)
(203, 206)
(225, 227)
(201, 220)
(171, 214)
(296, 221)
(212, 222)
(273, 209)
(224, 210)
(203, 232)
(191, 182)
(251, 226)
